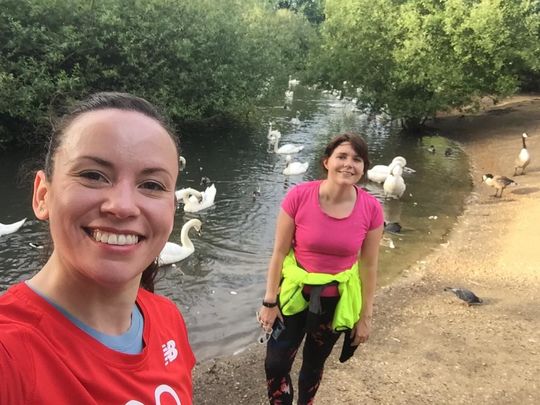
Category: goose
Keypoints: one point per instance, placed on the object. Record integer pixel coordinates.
(394, 186)
(524, 158)
(379, 173)
(272, 133)
(207, 198)
(498, 182)
(172, 252)
(287, 148)
(6, 229)
(293, 168)
(296, 120)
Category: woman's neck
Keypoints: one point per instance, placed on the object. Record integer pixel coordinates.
(108, 311)
(335, 193)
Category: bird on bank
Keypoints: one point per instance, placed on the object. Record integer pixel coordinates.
(524, 157)
(498, 182)
(466, 295)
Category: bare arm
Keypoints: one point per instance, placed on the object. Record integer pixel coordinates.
(282, 244)
(369, 259)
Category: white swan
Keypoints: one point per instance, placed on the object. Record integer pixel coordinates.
(6, 229)
(187, 193)
(296, 120)
(194, 202)
(293, 82)
(289, 95)
(394, 185)
(172, 252)
(379, 173)
(287, 148)
(272, 133)
(181, 163)
(293, 168)
(524, 158)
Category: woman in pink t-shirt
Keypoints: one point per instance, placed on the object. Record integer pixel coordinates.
(330, 225)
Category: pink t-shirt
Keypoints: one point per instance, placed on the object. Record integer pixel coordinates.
(323, 244)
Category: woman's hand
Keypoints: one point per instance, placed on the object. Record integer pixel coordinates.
(267, 317)
(362, 330)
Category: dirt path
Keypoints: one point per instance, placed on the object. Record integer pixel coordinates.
(428, 347)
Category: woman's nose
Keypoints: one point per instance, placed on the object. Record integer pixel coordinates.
(121, 201)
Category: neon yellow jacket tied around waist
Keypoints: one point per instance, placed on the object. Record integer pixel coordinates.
(291, 300)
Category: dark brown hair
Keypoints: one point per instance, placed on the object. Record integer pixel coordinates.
(357, 142)
(102, 101)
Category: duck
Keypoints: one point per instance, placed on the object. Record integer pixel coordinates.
(205, 181)
(394, 185)
(448, 152)
(498, 182)
(379, 173)
(524, 158)
(288, 148)
(431, 149)
(293, 168)
(195, 202)
(172, 252)
(296, 120)
(6, 229)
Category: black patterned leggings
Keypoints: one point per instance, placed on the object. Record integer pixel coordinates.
(280, 355)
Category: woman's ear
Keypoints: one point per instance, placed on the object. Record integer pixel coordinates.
(325, 163)
(40, 196)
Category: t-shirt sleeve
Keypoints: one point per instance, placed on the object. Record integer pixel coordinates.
(290, 202)
(377, 217)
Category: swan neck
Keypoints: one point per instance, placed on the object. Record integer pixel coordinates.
(184, 237)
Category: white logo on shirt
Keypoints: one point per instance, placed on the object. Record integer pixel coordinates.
(170, 353)
(162, 389)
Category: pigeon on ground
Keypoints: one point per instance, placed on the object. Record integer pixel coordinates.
(468, 296)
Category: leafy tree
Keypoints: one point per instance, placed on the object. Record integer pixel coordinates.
(196, 58)
(416, 57)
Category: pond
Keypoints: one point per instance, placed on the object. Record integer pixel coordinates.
(220, 286)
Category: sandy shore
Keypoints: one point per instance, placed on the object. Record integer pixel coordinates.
(427, 346)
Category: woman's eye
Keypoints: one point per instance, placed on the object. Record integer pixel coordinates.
(94, 176)
(153, 186)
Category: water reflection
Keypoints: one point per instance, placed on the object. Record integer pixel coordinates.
(220, 286)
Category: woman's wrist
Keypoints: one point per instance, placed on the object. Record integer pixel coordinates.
(272, 303)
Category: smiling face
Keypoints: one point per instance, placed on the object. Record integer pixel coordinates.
(344, 165)
(110, 200)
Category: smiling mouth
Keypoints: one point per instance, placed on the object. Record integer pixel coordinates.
(109, 238)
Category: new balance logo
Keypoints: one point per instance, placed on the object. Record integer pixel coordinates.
(170, 352)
